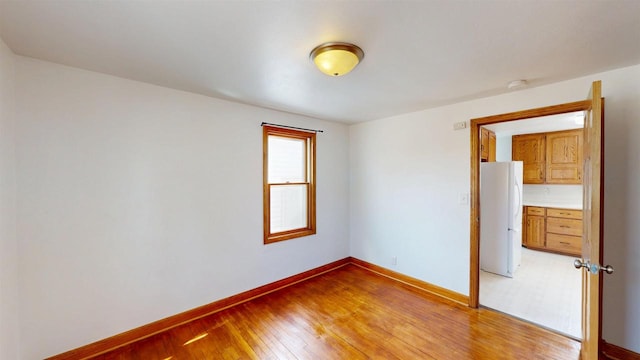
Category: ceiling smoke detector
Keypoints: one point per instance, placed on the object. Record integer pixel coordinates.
(516, 84)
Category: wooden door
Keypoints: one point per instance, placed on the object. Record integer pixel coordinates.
(564, 157)
(530, 149)
(592, 217)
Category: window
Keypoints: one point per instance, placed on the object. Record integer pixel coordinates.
(289, 183)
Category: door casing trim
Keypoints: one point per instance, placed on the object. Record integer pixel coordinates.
(475, 124)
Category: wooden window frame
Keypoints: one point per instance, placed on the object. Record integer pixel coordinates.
(310, 138)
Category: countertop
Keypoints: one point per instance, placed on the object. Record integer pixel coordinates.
(553, 205)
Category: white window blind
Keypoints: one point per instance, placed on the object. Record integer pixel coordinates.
(287, 160)
(288, 207)
(287, 176)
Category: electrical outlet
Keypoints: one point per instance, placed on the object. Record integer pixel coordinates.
(394, 260)
(460, 125)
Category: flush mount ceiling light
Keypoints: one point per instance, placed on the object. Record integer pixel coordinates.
(336, 58)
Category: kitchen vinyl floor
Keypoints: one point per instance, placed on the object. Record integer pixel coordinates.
(545, 290)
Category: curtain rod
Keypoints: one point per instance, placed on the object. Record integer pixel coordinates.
(291, 127)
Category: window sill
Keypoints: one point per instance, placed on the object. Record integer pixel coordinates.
(287, 235)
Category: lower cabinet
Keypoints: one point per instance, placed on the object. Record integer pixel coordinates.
(552, 229)
(534, 234)
(564, 244)
(564, 231)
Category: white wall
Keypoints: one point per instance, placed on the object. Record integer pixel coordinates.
(503, 148)
(550, 195)
(9, 298)
(622, 208)
(137, 202)
(407, 172)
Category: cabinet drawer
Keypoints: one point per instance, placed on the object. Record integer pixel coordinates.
(534, 210)
(564, 243)
(565, 213)
(564, 226)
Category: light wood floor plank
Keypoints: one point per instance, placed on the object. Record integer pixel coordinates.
(352, 313)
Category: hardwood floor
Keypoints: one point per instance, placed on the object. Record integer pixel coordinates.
(352, 313)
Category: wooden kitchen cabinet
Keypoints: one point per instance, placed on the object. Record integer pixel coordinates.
(564, 244)
(530, 149)
(564, 157)
(534, 230)
(564, 226)
(564, 213)
(552, 229)
(484, 144)
(550, 158)
(564, 231)
(487, 145)
(492, 146)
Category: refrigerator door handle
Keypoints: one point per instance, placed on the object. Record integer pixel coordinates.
(519, 198)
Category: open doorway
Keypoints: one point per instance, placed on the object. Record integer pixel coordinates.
(531, 278)
(590, 263)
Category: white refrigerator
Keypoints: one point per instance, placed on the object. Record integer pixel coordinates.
(501, 217)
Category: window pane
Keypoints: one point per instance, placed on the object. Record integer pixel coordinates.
(288, 207)
(286, 160)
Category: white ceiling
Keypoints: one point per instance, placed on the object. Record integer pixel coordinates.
(418, 54)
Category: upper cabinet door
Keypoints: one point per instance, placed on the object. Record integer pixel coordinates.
(492, 146)
(530, 149)
(564, 157)
(484, 144)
